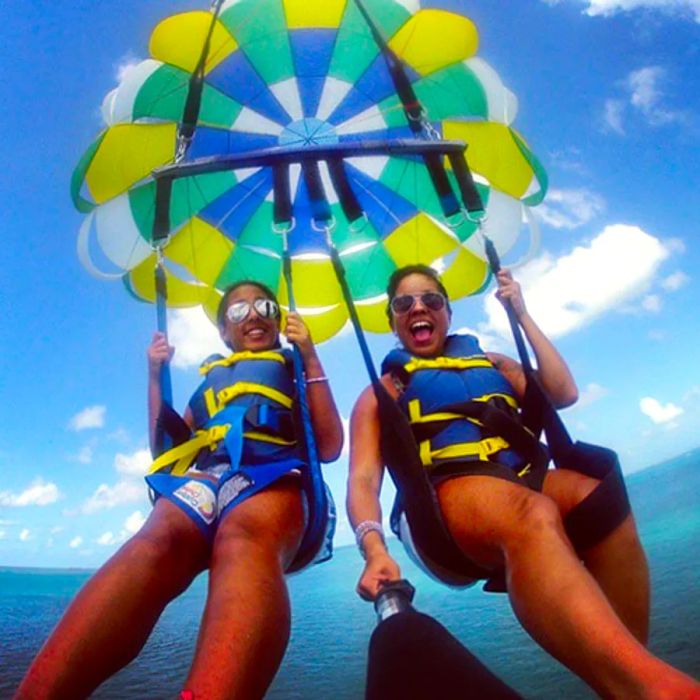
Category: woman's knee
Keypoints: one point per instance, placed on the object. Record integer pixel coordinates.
(532, 515)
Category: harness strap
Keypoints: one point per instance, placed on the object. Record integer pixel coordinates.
(183, 455)
(480, 450)
(229, 393)
(244, 356)
(604, 509)
(346, 195)
(456, 363)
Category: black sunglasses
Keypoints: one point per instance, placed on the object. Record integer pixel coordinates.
(402, 304)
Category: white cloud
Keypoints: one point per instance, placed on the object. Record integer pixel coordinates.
(652, 303)
(75, 542)
(134, 522)
(106, 496)
(194, 337)
(607, 8)
(570, 209)
(658, 412)
(119, 435)
(127, 63)
(39, 493)
(592, 393)
(614, 116)
(643, 95)
(675, 281)
(676, 246)
(646, 95)
(131, 526)
(25, 535)
(89, 418)
(84, 455)
(566, 293)
(135, 464)
(3, 534)
(130, 487)
(107, 539)
(488, 340)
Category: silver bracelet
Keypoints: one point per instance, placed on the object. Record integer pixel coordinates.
(316, 380)
(363, 529)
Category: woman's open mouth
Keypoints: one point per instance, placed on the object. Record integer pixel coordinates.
(421, 331)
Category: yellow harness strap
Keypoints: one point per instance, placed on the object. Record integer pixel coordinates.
(240, 388)
(270, 355)
(415, 415)
(229, 393)
(448, 363)
(183, 455)
(273, 439)
(482, 449)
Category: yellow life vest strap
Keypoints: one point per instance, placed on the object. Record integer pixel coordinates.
(183, 455)
(482, 449)
(415, 415)
(229, 393)
(269, 355)
(458, 363)
(273, 439)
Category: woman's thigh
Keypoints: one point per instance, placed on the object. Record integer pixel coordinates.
(272, 520)
(486, 514)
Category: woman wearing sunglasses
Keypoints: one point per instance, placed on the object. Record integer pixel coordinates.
(589, 609)
(233, 505)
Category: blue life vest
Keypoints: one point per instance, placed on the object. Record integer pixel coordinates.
(434, 385)
(252, 393)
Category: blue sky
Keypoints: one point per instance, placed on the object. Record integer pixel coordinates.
(608, 94)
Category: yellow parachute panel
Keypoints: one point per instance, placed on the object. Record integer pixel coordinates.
(128, 154)
(419, 240)
(319, 14)
(179, 40)
(200, 248)
(493, 152)
(434, 39)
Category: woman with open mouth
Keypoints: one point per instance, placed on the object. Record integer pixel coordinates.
(504, 510)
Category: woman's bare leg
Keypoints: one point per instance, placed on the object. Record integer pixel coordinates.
(246, 624)
(110, 619)
(557, 601)
(618, 563)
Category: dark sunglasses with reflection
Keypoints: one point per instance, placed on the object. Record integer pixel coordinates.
(403, 303)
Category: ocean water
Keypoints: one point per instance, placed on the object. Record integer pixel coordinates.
(327, 654)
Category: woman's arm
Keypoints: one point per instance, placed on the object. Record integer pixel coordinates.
(364, 486)
(328, 428)
(157, 353)
(552, 370)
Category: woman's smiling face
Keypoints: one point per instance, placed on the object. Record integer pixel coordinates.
(255, 333)
(421, 330)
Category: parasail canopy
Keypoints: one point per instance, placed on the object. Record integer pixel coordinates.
(288, 76)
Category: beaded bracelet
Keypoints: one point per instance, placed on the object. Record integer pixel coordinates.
(316, 380)
(363, 529)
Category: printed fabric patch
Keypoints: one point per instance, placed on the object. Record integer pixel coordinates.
(200, 498)
(233, 488)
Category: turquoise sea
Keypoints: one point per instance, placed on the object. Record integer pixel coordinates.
(331, 628)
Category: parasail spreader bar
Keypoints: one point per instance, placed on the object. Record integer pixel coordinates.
(285, 154)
